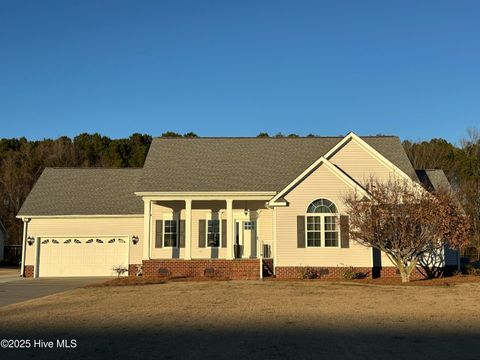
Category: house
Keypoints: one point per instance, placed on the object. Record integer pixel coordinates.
(230, 207)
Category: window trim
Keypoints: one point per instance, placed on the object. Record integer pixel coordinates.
(208, 217)
(322, 226)
(219, 233)
(177, 223)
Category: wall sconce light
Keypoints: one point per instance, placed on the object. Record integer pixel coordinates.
(135, 239)
(30, 240)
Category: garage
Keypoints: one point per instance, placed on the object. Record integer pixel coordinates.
(81, 256)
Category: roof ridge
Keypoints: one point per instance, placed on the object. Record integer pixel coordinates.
(269, 138)
(91, 168)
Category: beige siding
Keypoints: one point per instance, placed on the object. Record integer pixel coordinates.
(322, 183)
(66, 227)
(201, 210)
(360, 164)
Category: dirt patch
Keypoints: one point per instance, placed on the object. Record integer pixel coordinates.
(255, 319)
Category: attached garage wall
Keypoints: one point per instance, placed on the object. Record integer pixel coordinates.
(86, 227)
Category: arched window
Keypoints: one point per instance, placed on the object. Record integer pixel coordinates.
(322, 224)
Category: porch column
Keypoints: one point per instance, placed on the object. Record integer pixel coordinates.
(229, 229)
(188, 229)
(147, 214)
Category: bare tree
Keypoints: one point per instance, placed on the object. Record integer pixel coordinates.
(470, 187)
(406, 222)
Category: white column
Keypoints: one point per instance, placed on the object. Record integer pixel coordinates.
(229, 229)
(147, 214)
(188, 229)
(24, 245)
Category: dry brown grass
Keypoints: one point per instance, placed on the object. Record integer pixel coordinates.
(447, 281)
(256, 319)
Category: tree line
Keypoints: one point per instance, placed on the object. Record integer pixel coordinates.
(22, 161)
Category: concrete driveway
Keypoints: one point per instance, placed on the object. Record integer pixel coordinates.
(14, 289)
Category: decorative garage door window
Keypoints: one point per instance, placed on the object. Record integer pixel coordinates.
(87, 241)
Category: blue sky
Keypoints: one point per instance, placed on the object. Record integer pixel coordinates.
(236, 68)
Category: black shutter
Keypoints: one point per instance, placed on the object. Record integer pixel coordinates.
(300, 231)
(181, 233)
(201, 233)
(158, 233)
(224, 234)
(344, 231)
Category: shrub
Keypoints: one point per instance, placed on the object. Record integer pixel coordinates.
(309, 273)
(471, 270)
(350, 273)
(120, 270)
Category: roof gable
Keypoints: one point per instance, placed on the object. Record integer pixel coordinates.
(279, 198)
(243, 164)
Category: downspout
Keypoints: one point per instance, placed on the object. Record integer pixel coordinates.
(24, 244)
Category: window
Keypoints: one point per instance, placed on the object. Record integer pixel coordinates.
(249, 225)
(170, 233)
(322, 228)
(213, 233)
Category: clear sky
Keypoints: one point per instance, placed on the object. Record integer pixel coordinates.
(236, 68)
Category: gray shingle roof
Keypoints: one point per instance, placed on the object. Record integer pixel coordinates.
(434, 179)
(84, 191)
(244, 164)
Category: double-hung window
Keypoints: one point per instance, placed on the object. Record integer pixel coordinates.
(213, 233)
(322, 228)
(170, 233)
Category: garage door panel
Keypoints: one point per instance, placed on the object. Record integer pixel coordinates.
(77, 256)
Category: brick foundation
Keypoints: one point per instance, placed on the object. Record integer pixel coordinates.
(241, 269)
(29, 271)
(296, 272)
(132, 269)
(391, 271)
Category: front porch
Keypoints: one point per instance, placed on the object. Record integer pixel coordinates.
(207, 236)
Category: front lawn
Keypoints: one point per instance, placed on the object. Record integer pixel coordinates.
(254, 319)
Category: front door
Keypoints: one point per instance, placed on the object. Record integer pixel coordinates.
(245, 244)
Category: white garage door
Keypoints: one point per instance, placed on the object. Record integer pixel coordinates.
(80, 256)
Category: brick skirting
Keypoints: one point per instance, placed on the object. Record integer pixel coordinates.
(391, 271)
(132, 269)
(239, 269)
(296, 272)
(28, 271)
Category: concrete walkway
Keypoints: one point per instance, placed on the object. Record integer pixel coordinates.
(14, 289)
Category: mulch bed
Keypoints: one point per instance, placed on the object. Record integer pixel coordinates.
(150, 280)
(445, 281)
